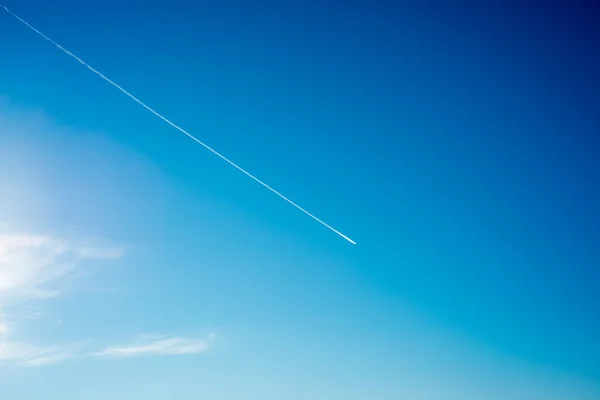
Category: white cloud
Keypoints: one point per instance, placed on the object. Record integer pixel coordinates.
(23, 354)
(32, 266)
(35, 267)
(163, 347)
(28, 355)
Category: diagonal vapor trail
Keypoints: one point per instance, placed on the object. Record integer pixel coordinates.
(125, 92)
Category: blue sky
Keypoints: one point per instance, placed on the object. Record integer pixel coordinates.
(456, 143)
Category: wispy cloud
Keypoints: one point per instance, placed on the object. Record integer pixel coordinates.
(28, 355)
(162, 347)
(32, 266)
(35, 267)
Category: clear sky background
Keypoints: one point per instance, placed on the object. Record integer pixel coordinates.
(456, 142)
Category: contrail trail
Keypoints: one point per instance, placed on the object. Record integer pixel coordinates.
(176, 126)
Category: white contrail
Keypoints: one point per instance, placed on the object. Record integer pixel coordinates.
(176, 126)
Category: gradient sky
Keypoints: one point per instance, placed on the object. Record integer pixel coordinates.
(456, 142)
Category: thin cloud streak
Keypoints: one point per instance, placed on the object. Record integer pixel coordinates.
(27, 355)
(125, 92)
(163, 347)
